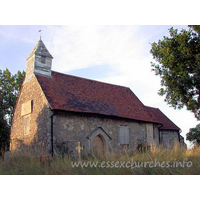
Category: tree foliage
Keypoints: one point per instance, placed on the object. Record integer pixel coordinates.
(178, 64)
(194, 135)
(9, 90)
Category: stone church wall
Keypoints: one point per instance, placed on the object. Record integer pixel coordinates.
(30, 131)
(169, 138)
(71, 128)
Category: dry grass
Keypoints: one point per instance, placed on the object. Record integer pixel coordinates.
(155, 161)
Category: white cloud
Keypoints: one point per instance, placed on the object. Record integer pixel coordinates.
(118, 47)
(79, 47)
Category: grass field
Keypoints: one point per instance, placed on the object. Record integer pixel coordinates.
(157, 161)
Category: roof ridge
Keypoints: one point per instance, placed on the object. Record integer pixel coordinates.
(91, 79)
(151, 107)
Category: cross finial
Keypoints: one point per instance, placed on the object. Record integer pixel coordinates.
(79, 148)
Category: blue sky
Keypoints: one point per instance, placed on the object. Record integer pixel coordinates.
(114, 54)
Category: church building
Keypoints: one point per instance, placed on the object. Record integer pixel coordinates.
(55, 111)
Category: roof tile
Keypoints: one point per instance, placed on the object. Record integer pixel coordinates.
(71, 93)
(167, 124)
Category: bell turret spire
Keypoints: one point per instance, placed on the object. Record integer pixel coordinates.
(39, 61)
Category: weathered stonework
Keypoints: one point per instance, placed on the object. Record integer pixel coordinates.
(38, 138)
(169, 138)
(30, 68)
(71, 128)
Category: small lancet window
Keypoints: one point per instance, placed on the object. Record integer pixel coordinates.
(42, 59)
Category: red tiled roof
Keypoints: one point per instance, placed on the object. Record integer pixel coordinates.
(163, 119)
(71, 93)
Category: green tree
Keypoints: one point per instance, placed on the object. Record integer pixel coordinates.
(9, 90)
(194, 135)
(4, 133)
(178, 64)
